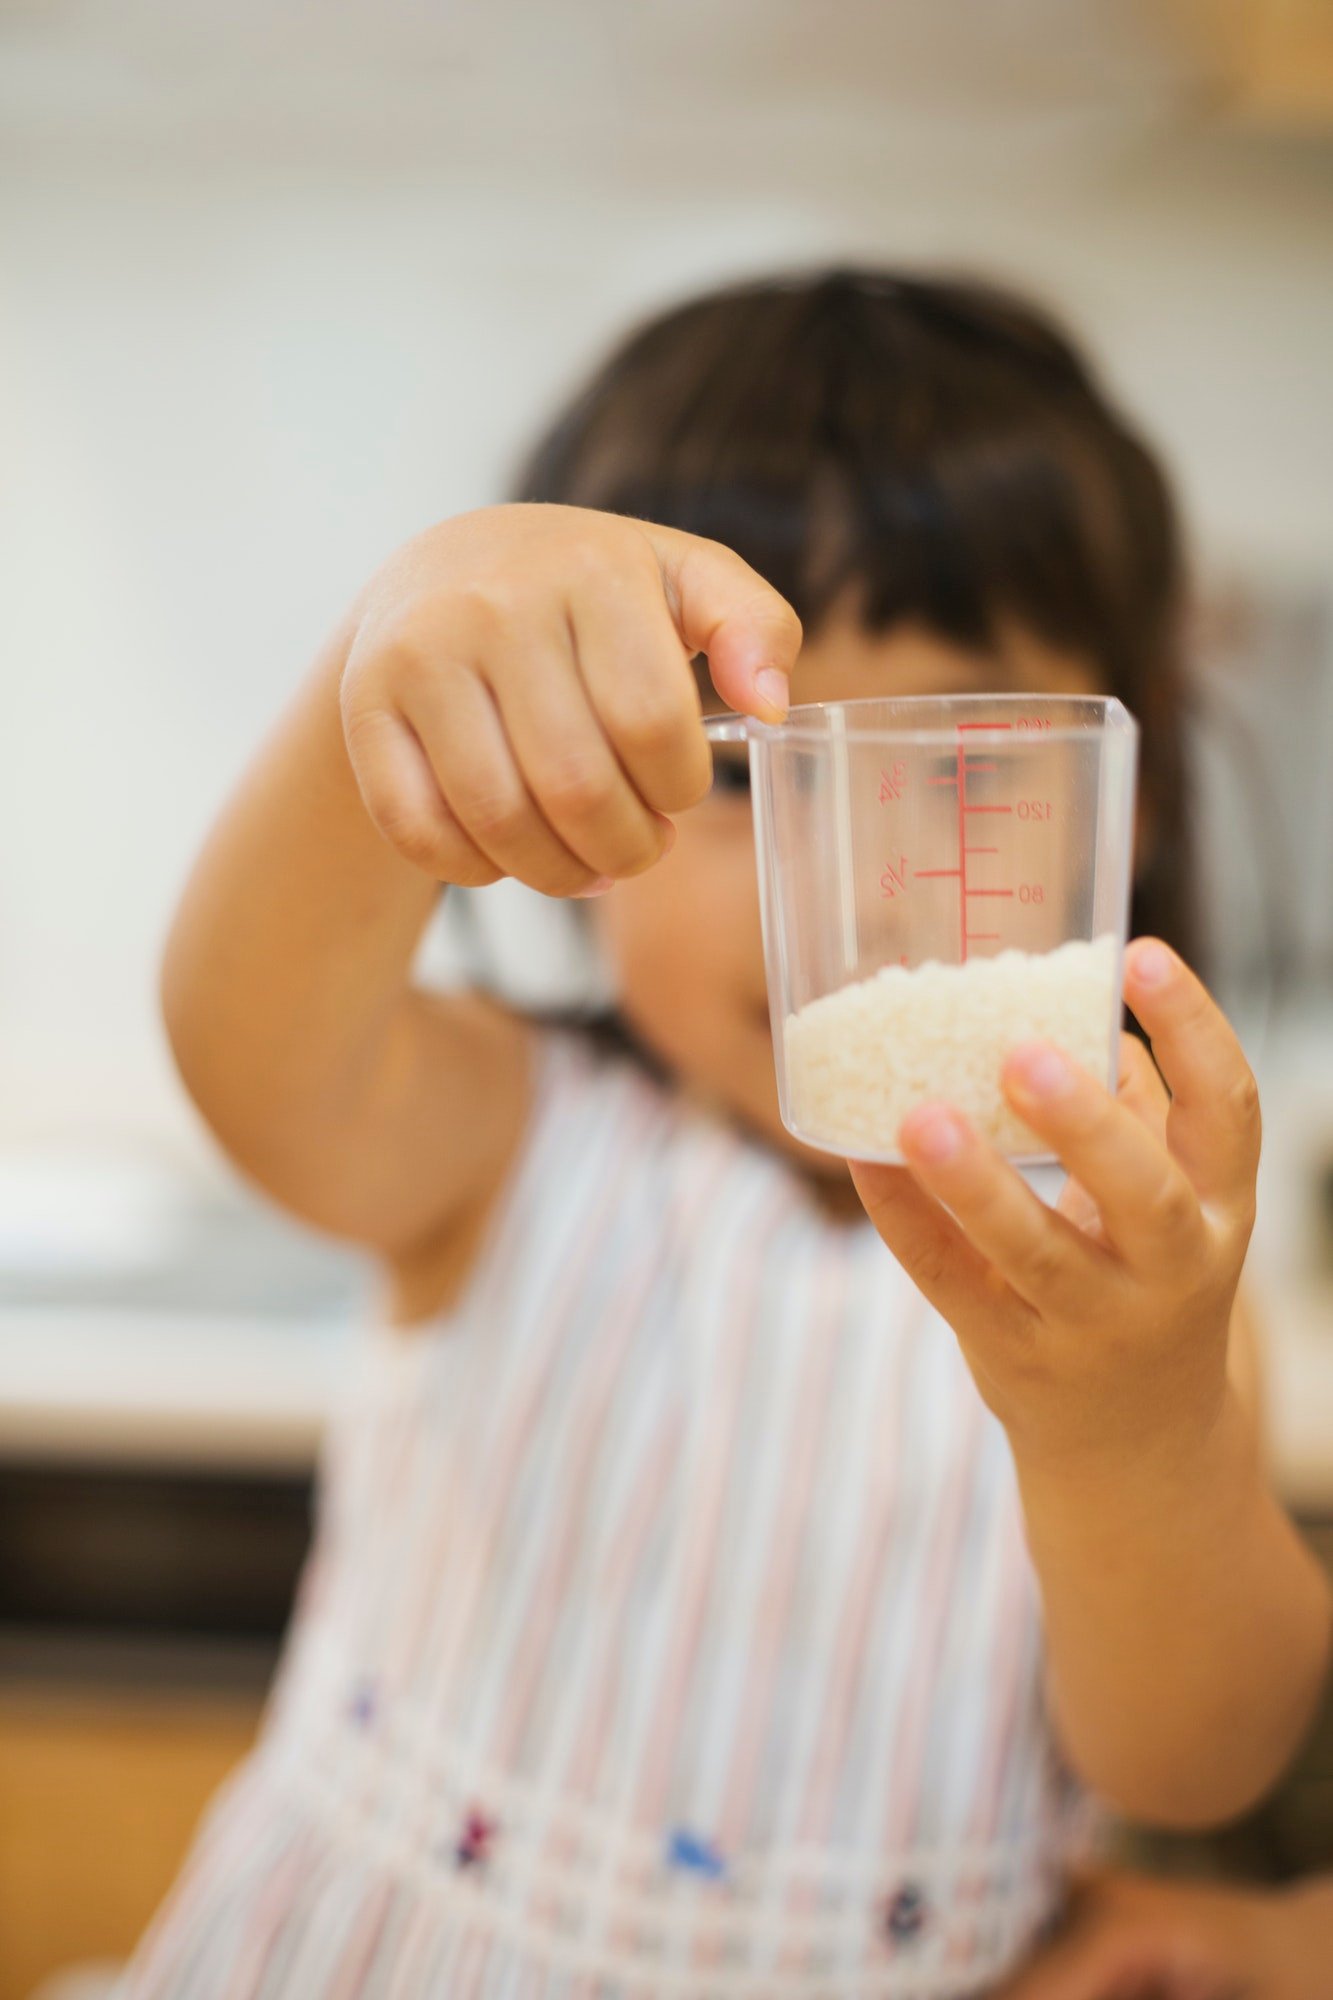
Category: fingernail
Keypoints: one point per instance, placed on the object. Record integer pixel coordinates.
(1153, 964)
(933, 1137)
(597, 888)
(1042, 1070)
(771, 688)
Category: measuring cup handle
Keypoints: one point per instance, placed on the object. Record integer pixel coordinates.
(727, 728)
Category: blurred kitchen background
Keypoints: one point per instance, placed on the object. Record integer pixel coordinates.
(280, 284)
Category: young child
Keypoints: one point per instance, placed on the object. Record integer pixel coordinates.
(708, 1599)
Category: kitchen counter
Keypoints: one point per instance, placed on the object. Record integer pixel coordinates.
(103, 1385)
(148, 1317)
(218, 1335)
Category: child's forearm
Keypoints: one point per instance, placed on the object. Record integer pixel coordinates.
(1187, 1627)
(287, 997)
(297, 915)
(512, 697)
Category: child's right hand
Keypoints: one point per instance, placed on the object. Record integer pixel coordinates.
(518, 697)
(1185, 1940)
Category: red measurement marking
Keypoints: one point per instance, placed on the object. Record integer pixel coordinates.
(981, 850)
(973, 765)
(987, 809)
(922, 873)
(893, 879)
(987, 725)
(961, 773)
(988, 892)
(891, 784)
(983, 937)
(942, 781)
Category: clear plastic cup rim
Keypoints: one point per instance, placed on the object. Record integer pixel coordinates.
(811, 722)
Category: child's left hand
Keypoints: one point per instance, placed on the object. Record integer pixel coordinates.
(1129, 1935)
(1097, 1331)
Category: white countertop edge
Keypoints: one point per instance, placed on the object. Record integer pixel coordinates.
(122, 1386)
(170, 1439)
(133, 1388)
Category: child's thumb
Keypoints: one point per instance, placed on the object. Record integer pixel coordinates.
(724, 609)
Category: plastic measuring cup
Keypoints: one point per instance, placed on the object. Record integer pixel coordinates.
(940, 879)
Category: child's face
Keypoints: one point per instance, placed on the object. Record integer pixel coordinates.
(684, 939)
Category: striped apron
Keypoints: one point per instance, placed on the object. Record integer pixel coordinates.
(668, 1629)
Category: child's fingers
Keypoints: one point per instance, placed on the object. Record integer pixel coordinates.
(402, 797)
(1089, 1965)
(1142, 1091)
(1125, 1936)
(1075, 1202)
(1213, 1124)
(572, 771)
(1035, 1251)
(1140, 1088)
(461, 730)
(725, 609)
(1113, 1965)
(1047, 1261)
(926, 1241)
(1147, 1206)
(638, 679)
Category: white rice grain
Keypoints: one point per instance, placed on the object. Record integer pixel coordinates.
(858, 1059)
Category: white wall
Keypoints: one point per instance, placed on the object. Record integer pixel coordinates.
(225, 392)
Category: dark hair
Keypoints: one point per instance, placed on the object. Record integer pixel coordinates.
(931, 449)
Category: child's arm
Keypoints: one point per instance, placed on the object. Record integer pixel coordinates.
(511, 695)
(1187, 1626)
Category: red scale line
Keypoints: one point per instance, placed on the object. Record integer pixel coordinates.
(987, 809)
(983, 725)
(988, 892)
(921, 874)
(962, 851)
